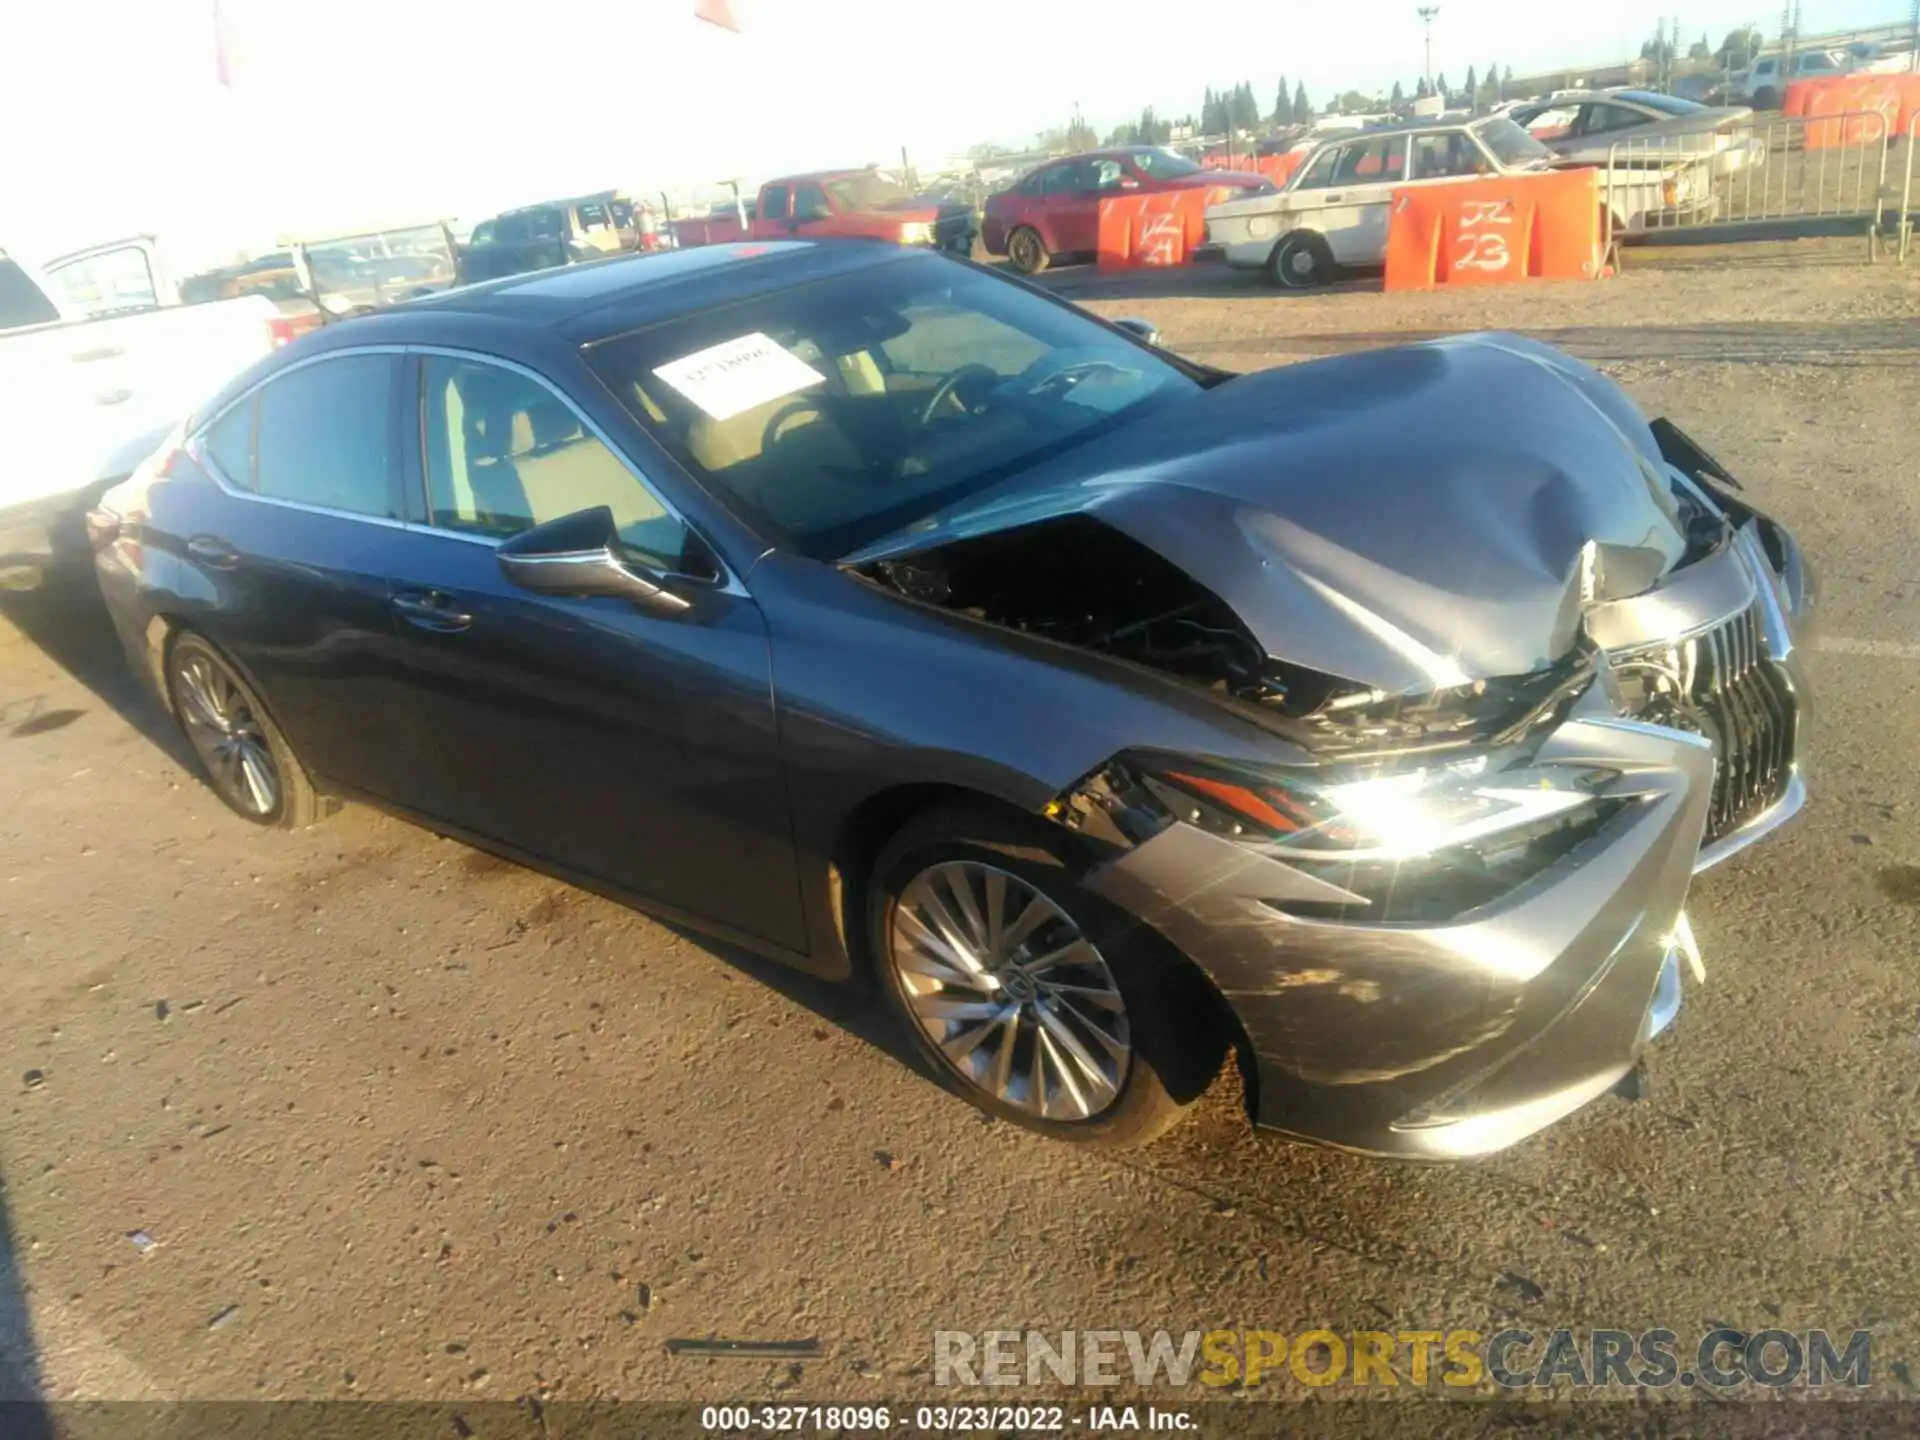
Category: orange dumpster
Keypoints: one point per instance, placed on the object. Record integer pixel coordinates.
(1495, 231)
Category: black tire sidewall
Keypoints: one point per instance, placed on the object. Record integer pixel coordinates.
(1135, 957)
(1313, 245)
(293, 805)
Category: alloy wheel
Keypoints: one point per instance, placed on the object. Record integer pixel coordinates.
(226, 733)
(1018, 1002)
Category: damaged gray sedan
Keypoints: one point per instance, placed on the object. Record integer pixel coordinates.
(1368, 718)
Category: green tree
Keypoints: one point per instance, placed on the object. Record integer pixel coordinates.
(1701, 49)
(1422, 90)
(1473, 87)
(1302, 107)
(1738, 50)
(1080, 135)
(1152, 130)
(1495, 91)
(1243, 109)
(1283, 104)
(1440, 88)
(1398, 99)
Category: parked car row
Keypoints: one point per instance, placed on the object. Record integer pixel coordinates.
(1334, 210)
(1054, 212)
(847, 204)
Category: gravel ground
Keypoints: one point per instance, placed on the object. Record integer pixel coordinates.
(385, 1117)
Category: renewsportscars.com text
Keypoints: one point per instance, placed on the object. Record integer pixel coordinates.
(1720, 1359)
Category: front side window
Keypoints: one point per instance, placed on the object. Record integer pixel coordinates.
(810, 203)
(1442, 157)
(592, 216)
(1600, 119)
(1164, 164)
(831, 413)
(505, 453)
(325, 436)
(1555, 122)
(1107, 174)
(773, 203)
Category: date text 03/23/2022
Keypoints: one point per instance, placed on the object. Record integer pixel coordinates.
(936, 1419)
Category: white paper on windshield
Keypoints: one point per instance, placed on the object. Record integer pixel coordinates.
(732, 377)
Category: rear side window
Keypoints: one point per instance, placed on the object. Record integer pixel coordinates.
(229, 443)
(1319, 172)
(325, 436)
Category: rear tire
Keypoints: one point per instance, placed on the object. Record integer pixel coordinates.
(245, 757)
(1097, 972)
(1027, 252)
(1301, 261)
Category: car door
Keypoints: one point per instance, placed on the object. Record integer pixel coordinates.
(773, 217)
(286, 565)
(812, 212)
(1073, 205)
(1349, 195)
(620, 745)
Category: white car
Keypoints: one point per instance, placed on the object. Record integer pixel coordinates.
(1333, 211)
(1763, 87)
(97, 360)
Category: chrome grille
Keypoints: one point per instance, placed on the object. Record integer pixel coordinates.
(1722, 685)
(1748, 698)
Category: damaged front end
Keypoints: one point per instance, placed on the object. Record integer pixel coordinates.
(1533, 712)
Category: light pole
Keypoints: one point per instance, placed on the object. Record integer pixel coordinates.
(1427, 12)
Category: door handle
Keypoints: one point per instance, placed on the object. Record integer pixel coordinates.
(430, 610)
(100, 352)
(1335, 196)
(213, 552)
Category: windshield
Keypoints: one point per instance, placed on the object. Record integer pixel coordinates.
(864, 192)
(832, 413)
(1511, 146)
(1164, 164)
(381, 268)
(1665, 104)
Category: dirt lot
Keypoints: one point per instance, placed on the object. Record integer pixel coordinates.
(402, 1120)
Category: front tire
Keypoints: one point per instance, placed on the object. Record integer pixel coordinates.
(1301, 261)
(1027, 252)
(1027, 995)
(245, 756)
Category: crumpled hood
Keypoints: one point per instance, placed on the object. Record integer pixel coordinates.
(1407, 518)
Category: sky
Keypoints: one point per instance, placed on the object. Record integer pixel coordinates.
(356, 113)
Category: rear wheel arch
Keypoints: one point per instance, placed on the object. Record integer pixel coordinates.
(1301, 237)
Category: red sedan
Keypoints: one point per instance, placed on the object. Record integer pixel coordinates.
(1055, 210)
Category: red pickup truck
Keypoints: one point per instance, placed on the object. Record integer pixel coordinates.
(859, 203)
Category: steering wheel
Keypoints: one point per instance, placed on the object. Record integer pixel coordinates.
(948, 389)
(1066, 371)
(770, 436)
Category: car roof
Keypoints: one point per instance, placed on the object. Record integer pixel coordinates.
(602, 298)
(821, 175)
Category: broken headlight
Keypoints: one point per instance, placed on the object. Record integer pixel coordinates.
(1410, 844)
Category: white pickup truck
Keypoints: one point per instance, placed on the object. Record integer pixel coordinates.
(97, 360)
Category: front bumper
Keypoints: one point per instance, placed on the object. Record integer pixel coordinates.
(1443, 1041)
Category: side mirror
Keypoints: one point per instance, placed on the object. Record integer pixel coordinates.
(1145, 331)
(580, 554)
